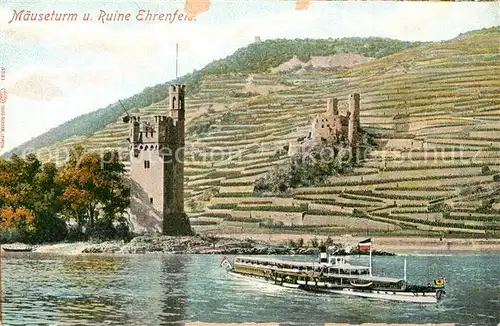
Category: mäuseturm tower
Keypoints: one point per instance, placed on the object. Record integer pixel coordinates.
(157, 165)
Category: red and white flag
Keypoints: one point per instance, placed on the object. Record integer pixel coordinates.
(365, 244)
(224, 261)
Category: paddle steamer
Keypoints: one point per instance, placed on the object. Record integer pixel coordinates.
(334, 275)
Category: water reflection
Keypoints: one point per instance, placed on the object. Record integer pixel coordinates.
(174, 279)
(172, 289)
(91, 271)
(90, 284)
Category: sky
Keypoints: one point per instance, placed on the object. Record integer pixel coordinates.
(56, 71)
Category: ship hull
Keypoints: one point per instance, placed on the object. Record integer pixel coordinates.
(322, 287)
(264, 280)
(383, 295)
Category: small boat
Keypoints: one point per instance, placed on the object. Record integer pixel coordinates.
(17, 249)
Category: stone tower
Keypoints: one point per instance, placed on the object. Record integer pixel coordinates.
(157, 164)
(332, 107)
(353, 114)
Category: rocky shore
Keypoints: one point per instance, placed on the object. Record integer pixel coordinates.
(192, 245)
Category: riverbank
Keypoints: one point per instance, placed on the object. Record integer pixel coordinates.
(174, 245)
(192, 245)
(263, 244)
(396, 244)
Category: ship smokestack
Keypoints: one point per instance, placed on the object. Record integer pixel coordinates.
(323, 256)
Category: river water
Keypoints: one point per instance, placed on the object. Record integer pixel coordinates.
(159, 289)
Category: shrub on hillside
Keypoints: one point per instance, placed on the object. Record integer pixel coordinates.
(52, 229)
(302, 171)
(75, 233)
(243, 94)
(201, 125)
(104, 230)
(314, 242)
(271, 223)
(260, 57)
(11, 235)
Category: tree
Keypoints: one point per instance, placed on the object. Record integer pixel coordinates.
(95, 192)
(19, 218)
(47, 205)
(28, 199)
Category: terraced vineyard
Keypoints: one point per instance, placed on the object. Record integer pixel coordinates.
(433, 111)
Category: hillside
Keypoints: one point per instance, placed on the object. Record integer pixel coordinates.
(433, 110)
(257, 57)
(261, 57)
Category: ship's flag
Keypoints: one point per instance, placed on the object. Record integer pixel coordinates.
(439, 282)
(365, 244)
(224, 261)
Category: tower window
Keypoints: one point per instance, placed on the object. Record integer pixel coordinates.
(147, 164)
(151, 200)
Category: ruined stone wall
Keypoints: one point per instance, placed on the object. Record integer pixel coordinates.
(333, 126)
(354, 107)
(332, 107)
(329, 128)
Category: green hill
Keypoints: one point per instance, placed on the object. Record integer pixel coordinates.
(253, 58)
(260, 57)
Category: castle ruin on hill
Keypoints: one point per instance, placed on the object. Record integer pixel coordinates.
(157, 166)
(331, 127)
